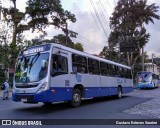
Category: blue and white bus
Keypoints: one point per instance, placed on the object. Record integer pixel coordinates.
(51, 73)
(147, 79)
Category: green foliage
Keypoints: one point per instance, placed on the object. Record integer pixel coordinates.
(49, 12)
(62, 39)
(113, 55)
(127, 25)
(78, 46)
(38, 15)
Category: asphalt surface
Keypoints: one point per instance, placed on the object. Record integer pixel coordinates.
(134, 105)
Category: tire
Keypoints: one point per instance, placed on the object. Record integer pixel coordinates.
(76, 98)
(119, 93)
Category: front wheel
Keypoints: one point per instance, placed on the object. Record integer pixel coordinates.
(119, 92)
(76, 98)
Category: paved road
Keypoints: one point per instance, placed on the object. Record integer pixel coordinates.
(103, 108)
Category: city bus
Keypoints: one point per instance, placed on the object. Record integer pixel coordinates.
(147, 80)
(50, 73)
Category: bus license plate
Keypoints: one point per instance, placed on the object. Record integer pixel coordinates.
(24, 100)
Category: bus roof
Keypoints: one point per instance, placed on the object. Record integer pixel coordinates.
(81, 53)
(88, 55)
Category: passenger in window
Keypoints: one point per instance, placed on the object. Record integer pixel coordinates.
(74, 68)
(82, 70)
(57, 67)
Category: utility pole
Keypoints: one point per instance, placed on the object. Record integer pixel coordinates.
(142, 26)
(152, 63)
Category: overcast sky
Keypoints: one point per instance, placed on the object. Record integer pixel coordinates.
(89, 28)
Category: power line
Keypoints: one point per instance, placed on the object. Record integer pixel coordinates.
(96, 22)
(103, 8)
(94, 19)
(88, 40)
(103, 17)
(98, 17)
(88, 44)
(109, 5)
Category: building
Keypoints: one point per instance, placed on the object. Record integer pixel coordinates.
(152, 68)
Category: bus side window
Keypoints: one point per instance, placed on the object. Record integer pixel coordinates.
(104, 69)
(93, 66)
(59, 65)
(120, 72)
(79, 63)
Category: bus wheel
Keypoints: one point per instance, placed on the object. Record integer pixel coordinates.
(76, 98)
(119, 92)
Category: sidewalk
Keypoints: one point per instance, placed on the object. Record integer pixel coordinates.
(10, 94)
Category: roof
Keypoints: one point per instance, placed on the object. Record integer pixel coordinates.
(88, 55)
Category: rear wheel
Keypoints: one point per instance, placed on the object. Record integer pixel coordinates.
(119, 92)
(76, 98)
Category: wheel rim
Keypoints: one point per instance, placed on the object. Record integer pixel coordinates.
(119, 93)
(76, 97)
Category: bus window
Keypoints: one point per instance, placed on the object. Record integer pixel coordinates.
(80, 63)
(104, 69)
(44, 68)
(59, 65)
(112, 70)
(93, 66)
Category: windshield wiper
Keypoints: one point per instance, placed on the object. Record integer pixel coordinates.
(34, 59)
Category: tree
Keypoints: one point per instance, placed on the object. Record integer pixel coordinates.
(113, 54)
(39, 15)
(127, 24)
(44, 13)
(61, 39)
(4, 47)
(78, 46)
(13, 17)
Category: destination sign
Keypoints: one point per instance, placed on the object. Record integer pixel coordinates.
(36, 49)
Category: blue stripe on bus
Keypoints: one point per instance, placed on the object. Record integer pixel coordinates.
(145, 85)
(65, 93)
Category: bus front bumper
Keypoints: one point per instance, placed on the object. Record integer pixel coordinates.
(145, 85)
(44, 96)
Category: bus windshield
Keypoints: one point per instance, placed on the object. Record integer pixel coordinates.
(144, 76)
(31, 68)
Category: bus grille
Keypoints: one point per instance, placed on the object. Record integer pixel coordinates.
(26, 86)
(29, 97)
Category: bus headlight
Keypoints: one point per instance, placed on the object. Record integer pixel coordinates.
(41, 88)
